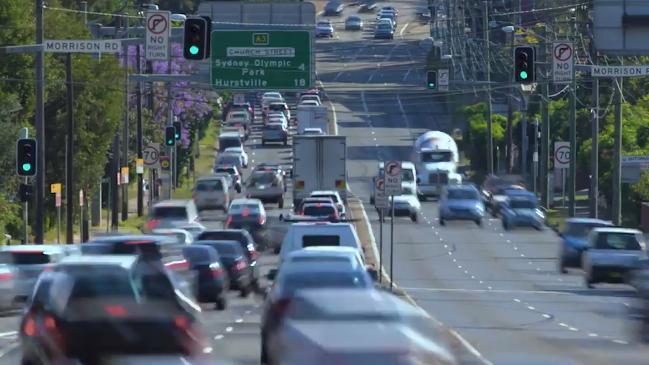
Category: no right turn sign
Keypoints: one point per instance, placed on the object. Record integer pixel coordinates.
(158, 30)
(562, 62)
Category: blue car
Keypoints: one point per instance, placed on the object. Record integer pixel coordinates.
(574, 240)
(461, 202)
(521, 210)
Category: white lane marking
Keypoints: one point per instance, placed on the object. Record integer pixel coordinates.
(228, 329)
(8, 334)
(239, 320)
(531, 308)
(593, 335)
(621, 342)
(545, 315)
(490, 288)
(403, 29)
(563, 324)
(335, 118)
(517, 300)
(248, 312)
(499, 291)
(573, 329)
(218, 337)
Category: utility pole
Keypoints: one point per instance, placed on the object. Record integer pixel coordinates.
(594, 153)
(140, 177)
(69, 155)
(617, 154)
(572, 178)
(39, 123)
(490, 138)
(509, 137)
(114, 198)
(545, 125)
(126, 126)
(172, 158)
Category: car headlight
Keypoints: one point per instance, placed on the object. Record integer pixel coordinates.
(540, 214)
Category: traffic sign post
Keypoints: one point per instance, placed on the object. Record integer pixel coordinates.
(261, 60)
(562, 62)
(392, 177)
(562, 158)
(443, 77)
(380, 202)
(158, 30)
(151, 156)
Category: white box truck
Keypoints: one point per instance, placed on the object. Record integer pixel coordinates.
(312, 116)
(319, 163)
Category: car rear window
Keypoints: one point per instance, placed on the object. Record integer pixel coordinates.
(315, 210)
(618, 241)
(462, 194)
(229, 142)
(24, 258)
(209, 185)
(228, 159)
(333, 197)
(223, 248)
(238, 208)
(169, 213)
(522, 204)
(197, 255)
(95, 282)
(273, 127)
(303, 280)
(280, 107)
(320, 240)
(581, 229)
(319, 259)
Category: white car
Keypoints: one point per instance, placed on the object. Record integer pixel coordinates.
(312, 97)
(313, 132)
(309, 103)
(324, 29)
(340, 204)
(302, 235)
(238, 151)
(272, 95)
(239, 116)
(406, 205)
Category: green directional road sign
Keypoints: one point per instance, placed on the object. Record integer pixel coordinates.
(257, 59)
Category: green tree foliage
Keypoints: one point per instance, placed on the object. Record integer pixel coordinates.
(476, 117)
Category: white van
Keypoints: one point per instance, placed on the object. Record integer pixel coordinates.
(302, 235)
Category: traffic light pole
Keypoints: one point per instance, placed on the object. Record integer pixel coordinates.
(69, 156)
(24, 133)
(39, 123)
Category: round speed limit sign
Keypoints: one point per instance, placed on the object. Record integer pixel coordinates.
(151, 156)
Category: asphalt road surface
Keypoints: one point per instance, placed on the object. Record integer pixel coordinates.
(500, 290)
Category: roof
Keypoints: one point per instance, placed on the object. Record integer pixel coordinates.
(520, 194)
(324, 192)
(461, 187)
(208, 242)
(588, 221)
(129, 237)
(32, 248)
(616, 230)
(246, 200)
(329, 267)
(229, 135)
(330, 249)
(326, 224)
(404, 164)
(211, 177)
(125, 261)
(172, 203)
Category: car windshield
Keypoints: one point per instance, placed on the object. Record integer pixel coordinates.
(441, 156)
(274, 126)
(331, 196)
(229, 142)
(618, 241)
(522, 204)
(462, 194)
(323, 24)
(581, 229)
(170, 213)
(229, 159)
(96, 282)
(209, 185)
(24, 257)
(263, 178)
(304, 280)
(319, 210)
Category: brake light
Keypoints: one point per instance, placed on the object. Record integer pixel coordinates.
(152, 223)
(115, 310)
(254, 254)
(6, 276)
(281, 306)
(319, 205)
(29, 328)
(246, 212)
(139, 242)
(182, 323)
(216, 269)
(262, 220)
(240, 265)
(228, 220)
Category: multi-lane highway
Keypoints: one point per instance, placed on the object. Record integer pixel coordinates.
(500, 290)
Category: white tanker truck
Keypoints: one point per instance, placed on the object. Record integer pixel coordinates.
(436, 157)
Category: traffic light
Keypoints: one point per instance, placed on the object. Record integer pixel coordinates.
(177, 131)
(170, 136)
(196, 44)
(431, 80)
(524, 64)
(26, 157)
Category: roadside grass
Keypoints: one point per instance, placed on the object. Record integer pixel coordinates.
(555, 218)
(202, 164)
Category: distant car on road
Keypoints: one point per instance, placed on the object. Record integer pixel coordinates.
(384, 31)
(171, 213)
(313, 132)
(239, 151)
(407, 204)
(267, 186)
(461, 202)
(213, 281)
(234, 173)
(274, 132)
(211, 192)
(354, 23)
(324, 211)
(611, 254)
(312, 97)
(521, 210)
(574, 240)
(248, 214)
(235, 262)
(324, 29)
(334, 7)
(333, 194)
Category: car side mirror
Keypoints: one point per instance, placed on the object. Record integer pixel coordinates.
(272, 274)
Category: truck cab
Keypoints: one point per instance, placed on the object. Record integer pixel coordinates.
(436, 157)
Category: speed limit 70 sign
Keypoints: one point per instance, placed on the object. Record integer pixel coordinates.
(561, 155)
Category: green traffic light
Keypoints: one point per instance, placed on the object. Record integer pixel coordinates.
(523, 75)
(193, 50)
(170, 142)
(27, 167)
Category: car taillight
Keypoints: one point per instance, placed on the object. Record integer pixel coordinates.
(6, 276)
(228, 220)
(115, 310)
(216, 270)
(281, 306)
(240, 265)
(245, 212)
(182, 323)
(29, 326)
(151, 224)
(254, 254)
(262, 220)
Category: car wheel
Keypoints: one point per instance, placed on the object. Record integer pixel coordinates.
(244, 292)
(421, 197)
(285, 142)
(414, 217)
(588, 280)
(280, 203)
(442, 221)
(506, 226)
(372, 200)
(478, 222)
(221, 302)
(562, 267)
